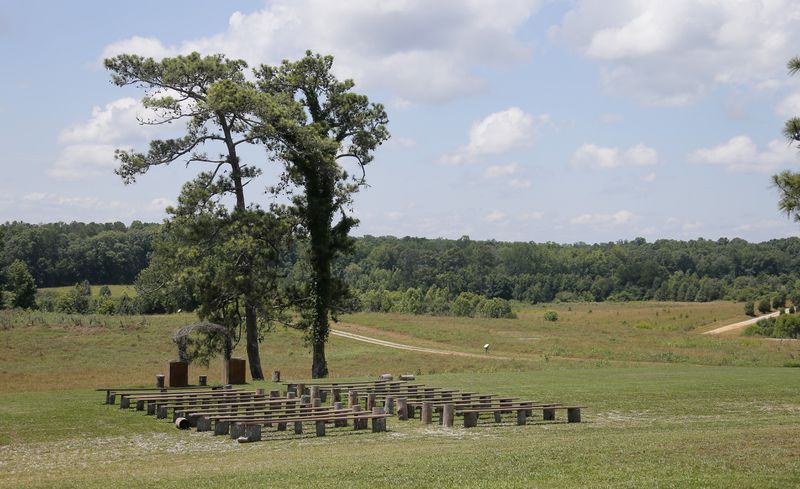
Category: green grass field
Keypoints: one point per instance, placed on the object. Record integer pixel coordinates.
(116, 290)
(668, 407)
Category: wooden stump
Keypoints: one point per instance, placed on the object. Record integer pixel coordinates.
(203, 423)
(320, 428)
(274, 394)
(222, 427)
(336, 393)
(140, 405)
(160, 381)
(298, 427)
(402, 409)
(549, 414)
(276, 375)
(339, 423)
(124, 402)
(470, 420)
(161, 412)
(386, 377)
(498, 416)
(411, 410)
(408, 377)
(202, 380)
(260, 392)
(427, 413)
(378, 424)
(352, 398)
(281, 426)
(315, 392)
(252, 432)
(388, 404)
(182, 423)
(356, 421)
(521, 416)
(370, 401)
(237, 430)
(112, 398)
(573, 415)
(151, 408)
(448, 414)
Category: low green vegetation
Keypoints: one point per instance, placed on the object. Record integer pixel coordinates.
(783, 326)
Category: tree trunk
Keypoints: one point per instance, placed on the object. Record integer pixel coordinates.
(253, 355)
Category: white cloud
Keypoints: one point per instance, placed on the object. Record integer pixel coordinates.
(418, 50)
(673, 52)
(495, 216)
(531, 216)
(789, 106)
(618, 218)
(78, 161)
(592, 155)
(159, 204)
(501, 170)
(740, 154)
(650, 177)
(497, 133)
(520, 183)
(88, 147)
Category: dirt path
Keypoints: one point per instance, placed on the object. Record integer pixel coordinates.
(400, 346)
(742, 324)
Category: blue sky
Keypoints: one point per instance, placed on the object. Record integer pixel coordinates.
(527, 120)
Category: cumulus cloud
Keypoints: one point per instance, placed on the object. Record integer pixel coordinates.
(418, 50)
(740, 154)
(615, 219)
(595, 156)
(789, 106)
(497, 133)
(501, 170)
(88, 147)
(673, 52)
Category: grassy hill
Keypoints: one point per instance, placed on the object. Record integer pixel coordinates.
(668, 407)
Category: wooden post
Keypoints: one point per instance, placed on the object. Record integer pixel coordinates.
(338, 423)
(237, 430)
(448, 413)
(402, 409)
(574, 415)
(160, 381)
(315, 392)
(352, 398)
(320, 428)
(356, 422)
(388, 404)
(112, 398)
(370, 401)
(161, 412)
(274, 394)
(498, 416)
(260, 392)
(298, 427)
(151, 408)
(276, 375)
(300, 389)
(202, 380)
(427, 412)
(203, 423)
(378, 424)
(140, 405)
(521, 416)
(549, 414)
(124, 402)
(470, 419)
(336, 393)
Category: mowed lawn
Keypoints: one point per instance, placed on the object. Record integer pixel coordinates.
(727, 415)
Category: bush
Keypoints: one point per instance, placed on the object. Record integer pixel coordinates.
(763, 327)
(764, 306)
(494, 308)
(786, 326)
(465, 304)
(749, 309)
(551, 316)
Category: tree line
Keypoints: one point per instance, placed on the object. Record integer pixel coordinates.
(427, 275)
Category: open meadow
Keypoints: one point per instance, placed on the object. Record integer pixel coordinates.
(667, 406)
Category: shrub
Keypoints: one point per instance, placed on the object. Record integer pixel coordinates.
(786, 326)
(749, 309)
(494, 308)
(551, 316)
(465, 304)
(764, 306)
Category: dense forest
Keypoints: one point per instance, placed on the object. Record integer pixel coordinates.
(415, 274)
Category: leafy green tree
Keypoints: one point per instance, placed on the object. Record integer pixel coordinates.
(749, 308)
(313, 122)
(788, 182)
(20, 283)
(764, 306)
(211, 96)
